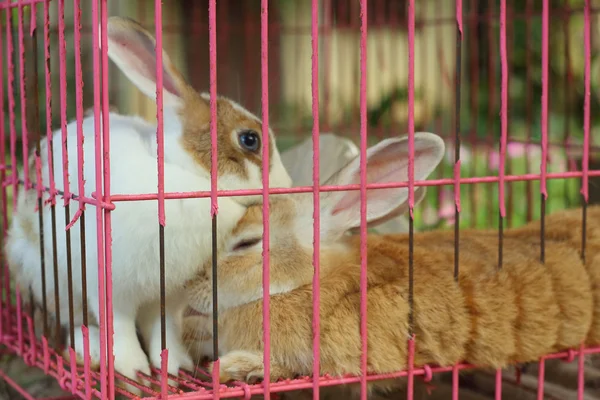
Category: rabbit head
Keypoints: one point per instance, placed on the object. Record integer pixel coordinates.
(291, 225)
(187, 116)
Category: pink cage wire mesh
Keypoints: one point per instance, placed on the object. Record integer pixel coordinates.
(485, 157)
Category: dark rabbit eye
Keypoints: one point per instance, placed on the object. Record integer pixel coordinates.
(249, 140)
(244, 244)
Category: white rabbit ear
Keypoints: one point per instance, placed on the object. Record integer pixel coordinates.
(387, 162)
(133, 50)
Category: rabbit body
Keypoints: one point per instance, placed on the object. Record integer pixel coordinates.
(134, 226)
(488, 316)
(133, 171)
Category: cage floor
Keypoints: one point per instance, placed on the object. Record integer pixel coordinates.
(22, 381)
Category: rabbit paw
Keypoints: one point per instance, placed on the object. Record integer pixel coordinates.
(177, 358)
(129, 364)
(94, 348)
(242, 366)
(177, 355)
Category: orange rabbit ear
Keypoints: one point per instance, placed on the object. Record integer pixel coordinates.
(387, 162)
(133, 50)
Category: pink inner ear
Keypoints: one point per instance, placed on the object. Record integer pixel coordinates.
(381, 169)
(348, 200)
(141, 56)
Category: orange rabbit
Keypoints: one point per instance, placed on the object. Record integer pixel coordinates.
(491, 317)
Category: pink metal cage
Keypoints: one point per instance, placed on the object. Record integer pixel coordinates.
(478, 28)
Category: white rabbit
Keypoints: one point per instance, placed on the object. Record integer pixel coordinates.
(135, 228)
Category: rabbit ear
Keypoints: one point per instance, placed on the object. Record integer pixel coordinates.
(133, 50)
(401, 210)
(386, 162)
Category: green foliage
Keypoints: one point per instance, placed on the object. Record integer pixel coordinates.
(380, 113)
(525, 58)
(480, 202)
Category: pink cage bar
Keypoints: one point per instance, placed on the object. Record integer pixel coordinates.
(464, 194)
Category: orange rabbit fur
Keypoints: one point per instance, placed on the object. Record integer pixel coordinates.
(490, 317)
(564, 230)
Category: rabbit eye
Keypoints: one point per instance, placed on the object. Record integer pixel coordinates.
(244, 244)
(249, 140)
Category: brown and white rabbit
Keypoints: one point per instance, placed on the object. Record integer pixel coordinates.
(240, 268)
(491, 317)
(135, 233)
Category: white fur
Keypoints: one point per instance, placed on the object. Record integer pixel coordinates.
(94, 343)
(279, 176)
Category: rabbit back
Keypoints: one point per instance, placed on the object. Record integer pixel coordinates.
(574, 281)
(566, 227)
(557, 290)
(513, 312)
